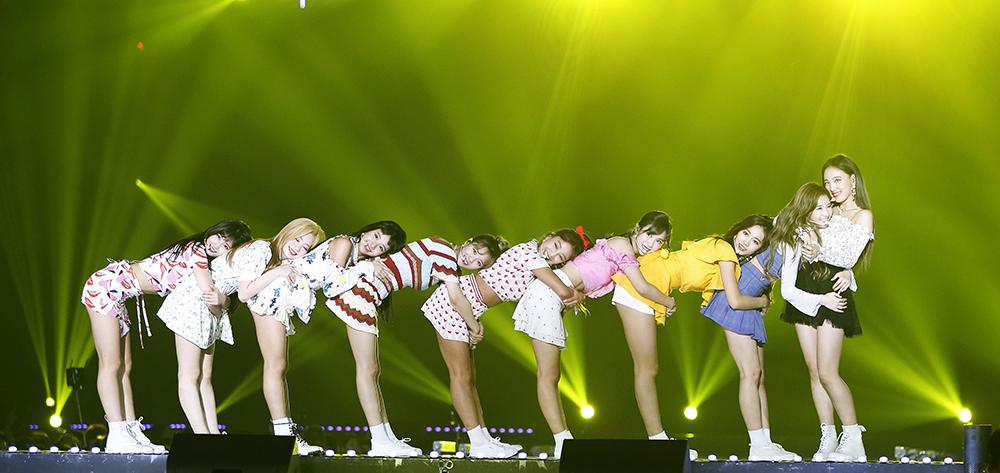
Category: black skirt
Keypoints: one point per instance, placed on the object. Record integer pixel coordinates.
(846, 320)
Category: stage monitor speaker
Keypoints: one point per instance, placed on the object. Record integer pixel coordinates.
(191, 453)
(633, 456)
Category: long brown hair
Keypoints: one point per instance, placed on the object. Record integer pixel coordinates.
(794, 218)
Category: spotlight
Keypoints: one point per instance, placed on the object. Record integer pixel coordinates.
(712, 457)
(32, 449)
(95, 450)
(434, 454)
(328, 452)
(55, 420)
(74, 449)
(448, 429)
(733, 458)
(54, 449)
(543, 456)
(691, 413)
(520, 431)
(948, 461)
(797, 459)
(904, 460)
(530, 431)
(493, 430)
(587, 411)
(926, 460)
(351, 453)
(437, 429)
(502, 430)
(522, 455)
(883, 459)
(459, 454)
(429, 429)
(964, 415)
(370, 453)
(50, 402)
(340, 428)
(12, 449)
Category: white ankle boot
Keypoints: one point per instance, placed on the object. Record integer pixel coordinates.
(121, 439)
(827, 442)
(851, 448)
(136, 427)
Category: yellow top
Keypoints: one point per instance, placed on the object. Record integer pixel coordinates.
(693, 268)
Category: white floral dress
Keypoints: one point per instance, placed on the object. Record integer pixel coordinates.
(186, 314)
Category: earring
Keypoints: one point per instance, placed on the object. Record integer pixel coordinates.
(854, 192)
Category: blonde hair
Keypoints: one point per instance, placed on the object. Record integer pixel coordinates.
(296, 228)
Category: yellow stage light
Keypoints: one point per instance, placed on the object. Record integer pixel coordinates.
(587, 412)
(55, 420)
(964, 415)
(50, 402)
(691, 413)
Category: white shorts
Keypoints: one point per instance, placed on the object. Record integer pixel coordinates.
(539, 312)
(625, 298)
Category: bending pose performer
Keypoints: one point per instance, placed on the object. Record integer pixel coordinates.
(105, 294)
(455, 317)
(820, 324)
(539, 312)
(198, 317)
(745, 335)
(707, 265)
(360, 297)
(265, 262)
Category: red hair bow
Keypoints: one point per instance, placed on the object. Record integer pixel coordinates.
(579, 231)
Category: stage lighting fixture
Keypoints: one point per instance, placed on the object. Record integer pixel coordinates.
(883, 459)
(691, 413)
(32, 449)
(50, 402)
(904, 460)
(522, 455)
(587, 411)
(54, 449)
(434, 454)
(74, 449)
(351, 453)
(733, 458)
(797, 459)
(543, 456)
(460, 454)
(926, 460)
(328, 452)
(95, 450)
(302, 3)
(948, 461)
(965, 415)
(55, 420)
(12, 449)
(711, 457)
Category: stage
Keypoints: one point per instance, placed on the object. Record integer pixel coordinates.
(44, 462)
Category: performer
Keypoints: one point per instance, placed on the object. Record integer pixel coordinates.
(745, 335)
(539, 312)
(707, 265)
(842, 240)
(105, 294)
(265, 262)
(359, 297)
(455, 317)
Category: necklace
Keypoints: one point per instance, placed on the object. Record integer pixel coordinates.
(842, 209)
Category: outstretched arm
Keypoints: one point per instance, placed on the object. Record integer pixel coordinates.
(727, 269)
(570, 296)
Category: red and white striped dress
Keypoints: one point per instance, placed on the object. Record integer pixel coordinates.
(419, 265)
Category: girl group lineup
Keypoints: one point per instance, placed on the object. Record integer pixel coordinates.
(813, 244)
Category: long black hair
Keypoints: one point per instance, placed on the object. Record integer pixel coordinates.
(397, 237)
(235, 230)
(751, 221)
(653, 223)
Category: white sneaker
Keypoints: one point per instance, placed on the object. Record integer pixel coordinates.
(827, 443)
(122, 440)
(136, 427)
(506, 446)
(303, 448)
(493, 448)
(771, 452)
(850, 448)
(398, 448)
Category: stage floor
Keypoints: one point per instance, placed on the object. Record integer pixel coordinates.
(105, 463)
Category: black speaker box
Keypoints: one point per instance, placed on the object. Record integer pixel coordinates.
(191, 453)
(633, 456)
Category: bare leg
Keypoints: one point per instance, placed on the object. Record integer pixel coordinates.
(808, 342)
(365, 348)
(208, 391)
(463, 396)
(475, 390)
(745, 353)
(189, 362)
(549, 399)
(110, 349)
(829, 348)
(126, 379)
(640, 333)
(274, 349)
(762, 393)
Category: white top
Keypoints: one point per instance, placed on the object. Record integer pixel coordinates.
(843, 242)
(805, 302)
